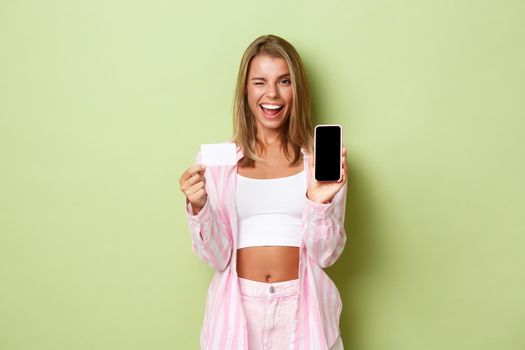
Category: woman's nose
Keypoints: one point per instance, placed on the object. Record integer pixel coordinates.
(272, 91)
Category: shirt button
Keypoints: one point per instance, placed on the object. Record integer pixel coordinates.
(272, 289)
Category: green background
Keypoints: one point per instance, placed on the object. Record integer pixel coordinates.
(103, 104)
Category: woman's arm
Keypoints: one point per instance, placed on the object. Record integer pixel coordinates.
(324, 232)
(210, 238)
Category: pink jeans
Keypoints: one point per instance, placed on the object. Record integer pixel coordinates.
(270, 309)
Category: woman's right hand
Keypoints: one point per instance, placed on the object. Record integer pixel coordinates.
(192, 184)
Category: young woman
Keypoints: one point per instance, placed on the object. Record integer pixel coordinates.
(266, 226)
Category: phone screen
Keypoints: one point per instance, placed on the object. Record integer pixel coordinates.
(328, 153)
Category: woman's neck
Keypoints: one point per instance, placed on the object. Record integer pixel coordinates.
(269, 139)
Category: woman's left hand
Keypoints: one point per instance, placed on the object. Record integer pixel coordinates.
(324, 192)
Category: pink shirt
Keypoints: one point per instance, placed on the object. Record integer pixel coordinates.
(214, 240)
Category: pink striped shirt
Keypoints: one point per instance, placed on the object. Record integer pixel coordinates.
(214, 240)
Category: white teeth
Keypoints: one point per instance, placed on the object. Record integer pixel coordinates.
(271, 106)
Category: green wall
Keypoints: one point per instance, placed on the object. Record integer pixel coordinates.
(103, 104)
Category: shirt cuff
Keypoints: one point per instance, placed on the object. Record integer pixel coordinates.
(196, 221)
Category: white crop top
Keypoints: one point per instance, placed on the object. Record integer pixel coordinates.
(270, 210)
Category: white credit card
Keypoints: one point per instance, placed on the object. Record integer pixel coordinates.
(219, 154)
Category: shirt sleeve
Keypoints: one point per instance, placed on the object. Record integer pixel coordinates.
(210, 239)
(324, 232)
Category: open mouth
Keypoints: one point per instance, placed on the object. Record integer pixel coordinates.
(271, 110)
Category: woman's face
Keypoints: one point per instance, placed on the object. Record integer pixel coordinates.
(269, 92)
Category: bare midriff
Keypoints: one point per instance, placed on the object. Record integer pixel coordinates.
(268, 263)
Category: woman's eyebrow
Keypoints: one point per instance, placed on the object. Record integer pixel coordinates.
(279, 77)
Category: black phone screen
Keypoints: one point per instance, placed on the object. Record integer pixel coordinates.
(327, 153)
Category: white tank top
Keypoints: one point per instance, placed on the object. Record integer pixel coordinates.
(270, 210)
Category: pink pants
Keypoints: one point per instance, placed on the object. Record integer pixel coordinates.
(270, 309)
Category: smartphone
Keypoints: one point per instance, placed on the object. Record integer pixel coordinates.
(328, 144)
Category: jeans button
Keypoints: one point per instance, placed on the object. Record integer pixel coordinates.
(272, 289)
